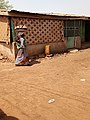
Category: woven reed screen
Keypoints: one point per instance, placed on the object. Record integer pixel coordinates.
(41, 31)
(4, 29)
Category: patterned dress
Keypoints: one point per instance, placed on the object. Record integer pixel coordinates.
(22, 56)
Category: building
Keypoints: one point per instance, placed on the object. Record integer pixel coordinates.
(60, 32)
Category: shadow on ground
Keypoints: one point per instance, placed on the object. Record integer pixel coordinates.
(34, 62)
(3, 116)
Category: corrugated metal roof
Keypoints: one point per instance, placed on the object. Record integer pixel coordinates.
(56, 14)
(41, 15)
(60, 14)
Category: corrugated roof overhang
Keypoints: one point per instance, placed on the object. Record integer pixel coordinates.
(15, 13)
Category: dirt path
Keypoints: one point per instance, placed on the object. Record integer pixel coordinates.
(25, 91)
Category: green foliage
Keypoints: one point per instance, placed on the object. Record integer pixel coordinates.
(5, 5)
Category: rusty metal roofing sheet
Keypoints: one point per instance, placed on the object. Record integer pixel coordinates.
(43, 15)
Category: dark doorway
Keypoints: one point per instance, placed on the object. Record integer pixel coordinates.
(87, 31)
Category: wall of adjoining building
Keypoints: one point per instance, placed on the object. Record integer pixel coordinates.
(4, 29)
(8, 50)
(5, 47)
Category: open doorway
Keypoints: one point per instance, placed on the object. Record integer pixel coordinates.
(87, 31)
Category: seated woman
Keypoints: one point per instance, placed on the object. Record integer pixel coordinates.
(22, 56)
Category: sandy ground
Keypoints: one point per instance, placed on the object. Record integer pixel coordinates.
(25, 91)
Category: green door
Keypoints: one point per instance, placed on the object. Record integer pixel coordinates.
(70, 42)
(13, 31)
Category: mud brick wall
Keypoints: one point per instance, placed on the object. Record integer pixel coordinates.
(4, 29)
(41, 31)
